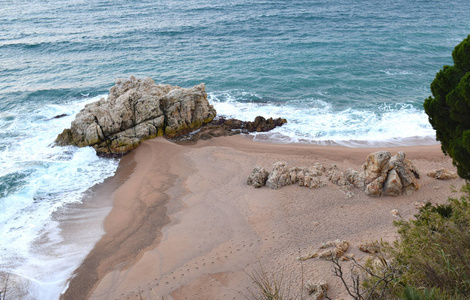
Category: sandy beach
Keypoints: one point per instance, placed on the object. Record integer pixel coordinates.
(185, 225)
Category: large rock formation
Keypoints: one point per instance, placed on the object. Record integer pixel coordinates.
(135, 110)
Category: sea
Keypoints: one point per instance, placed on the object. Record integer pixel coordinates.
(351, 73)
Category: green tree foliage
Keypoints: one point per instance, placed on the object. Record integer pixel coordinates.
(449, 108)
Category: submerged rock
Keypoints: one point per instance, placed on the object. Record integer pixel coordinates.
(227, 127)
(59, 116)
(135, 110)
(260, 124)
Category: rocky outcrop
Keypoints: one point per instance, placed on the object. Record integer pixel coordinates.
(382, 175)
(227, 127)
(389, 176)
(135, 110)
(443, 174)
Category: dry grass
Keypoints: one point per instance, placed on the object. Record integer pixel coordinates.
(270, 286)
(3, 291)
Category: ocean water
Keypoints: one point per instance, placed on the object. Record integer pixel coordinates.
(353, 73)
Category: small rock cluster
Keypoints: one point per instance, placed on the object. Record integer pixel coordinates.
(443, 174)
(328, 250)
(382, 175)
(338, 248)
(316, 290)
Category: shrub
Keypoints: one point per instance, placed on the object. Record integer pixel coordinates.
(429, 261)
(412, 293)
(434, 249)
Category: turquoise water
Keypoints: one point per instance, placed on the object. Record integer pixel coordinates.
(346, 72)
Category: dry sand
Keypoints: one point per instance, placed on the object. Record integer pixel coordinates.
(186, 226)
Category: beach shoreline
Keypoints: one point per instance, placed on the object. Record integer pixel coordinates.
(184, 224)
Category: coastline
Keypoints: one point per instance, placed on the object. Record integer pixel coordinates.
(184, 224)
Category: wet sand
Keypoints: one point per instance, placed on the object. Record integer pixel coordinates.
(185, 225)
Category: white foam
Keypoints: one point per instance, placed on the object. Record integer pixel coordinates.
(393, 72)
(52, 177)
(318, 122)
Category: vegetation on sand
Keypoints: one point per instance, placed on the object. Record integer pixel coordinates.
(429, 260)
